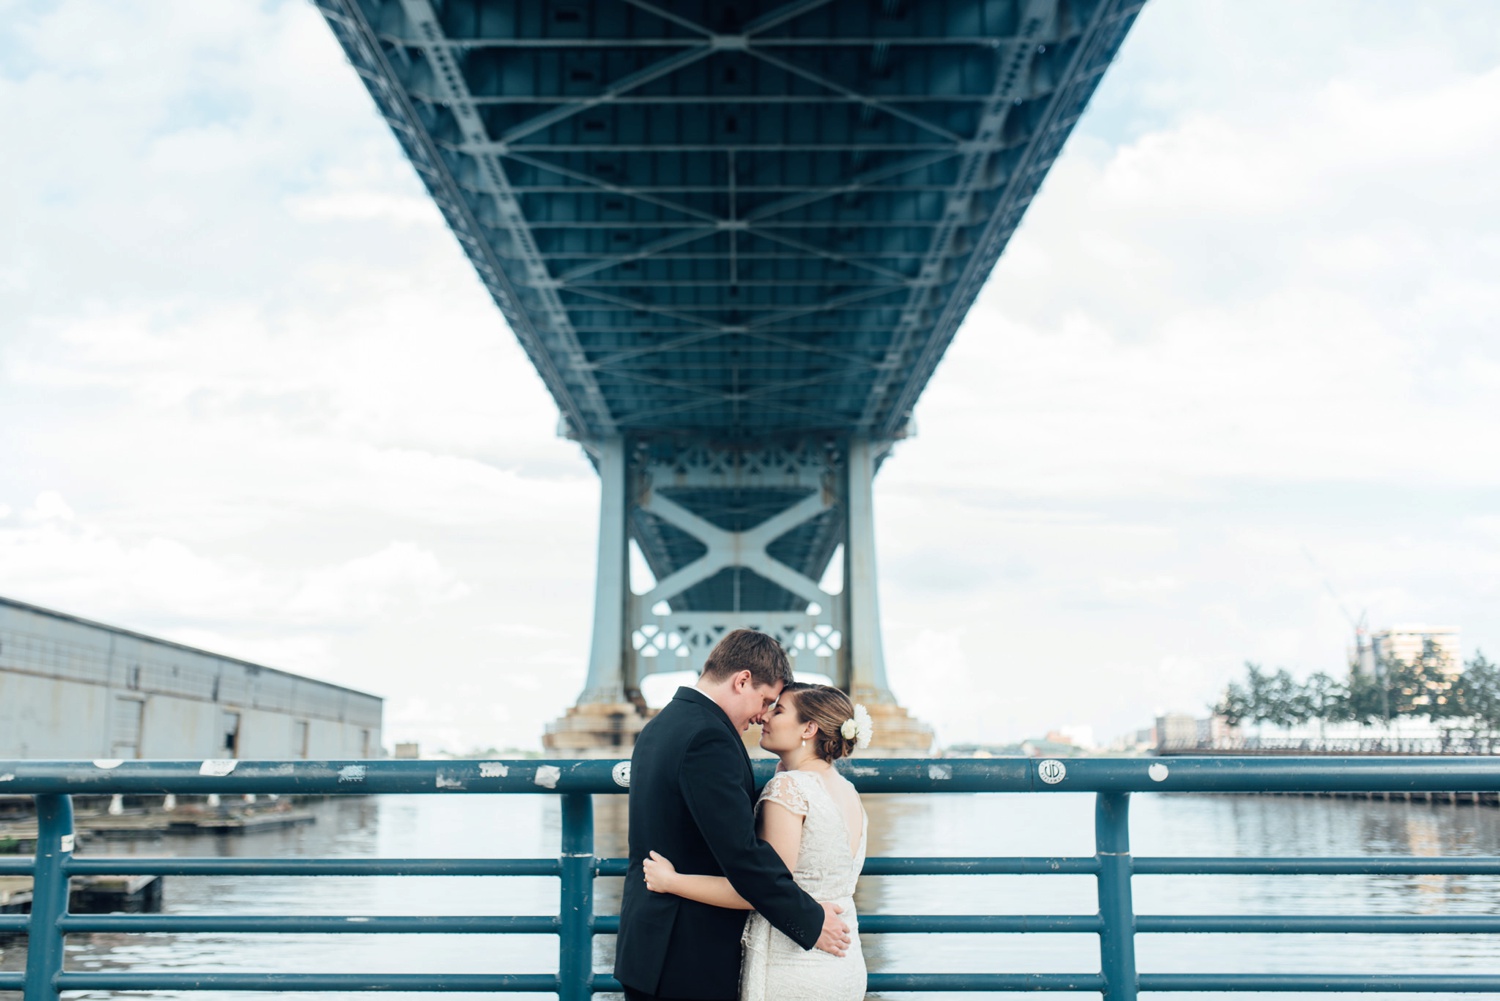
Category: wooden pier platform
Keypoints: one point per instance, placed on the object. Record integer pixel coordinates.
(152, 825)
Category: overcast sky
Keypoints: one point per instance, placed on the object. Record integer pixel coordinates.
(253, 397)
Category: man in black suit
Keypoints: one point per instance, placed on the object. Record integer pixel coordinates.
(692, 798)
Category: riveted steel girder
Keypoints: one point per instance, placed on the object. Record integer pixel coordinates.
(736, 220)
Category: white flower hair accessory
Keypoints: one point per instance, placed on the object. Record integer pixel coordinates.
(860, 728)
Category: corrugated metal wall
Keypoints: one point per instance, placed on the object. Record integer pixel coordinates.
(73, 688)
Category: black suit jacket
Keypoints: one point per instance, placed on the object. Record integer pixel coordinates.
(692, 798)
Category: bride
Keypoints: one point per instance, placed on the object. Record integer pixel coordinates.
(812, 816)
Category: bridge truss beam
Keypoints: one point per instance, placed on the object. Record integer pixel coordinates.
(739, 538)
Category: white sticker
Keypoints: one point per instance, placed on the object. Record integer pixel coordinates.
(352, 773)
(217, 767)
(1158, 772)
(621, 774)
(1052, 771)
(493, 770)
(939, 773)
(107, 763)
(8, 777)
(444, 782)
(547, 776)
(65, 843)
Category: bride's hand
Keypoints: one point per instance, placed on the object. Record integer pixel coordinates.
(659, 873)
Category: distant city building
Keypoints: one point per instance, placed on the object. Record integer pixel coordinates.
(1078, 735)
(407, 750)
(70, 688)
(1405, 644)
(1212, 730)
(1176, 730)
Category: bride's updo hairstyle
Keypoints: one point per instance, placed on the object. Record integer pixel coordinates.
(828, 708)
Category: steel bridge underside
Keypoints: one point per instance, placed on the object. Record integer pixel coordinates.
(735, 237)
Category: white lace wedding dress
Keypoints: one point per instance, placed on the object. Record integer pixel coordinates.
(775, 968)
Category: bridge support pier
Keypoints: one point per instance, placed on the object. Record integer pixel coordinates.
(735, 537)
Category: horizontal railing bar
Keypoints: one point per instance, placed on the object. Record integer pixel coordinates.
(540, 983)
(949, 982)
(940, 866)
(1326, 982)
(1224, 774)
(401, 924)
(1374, 924)
(1485, 865)
(12, 981)
(14, 922)
(1476, 865)
(17, 866)
(891, 924)
(957, 866)
(985, 982)
(114, 866)
(901, 924)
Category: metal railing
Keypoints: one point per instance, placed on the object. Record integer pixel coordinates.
(1115, 923)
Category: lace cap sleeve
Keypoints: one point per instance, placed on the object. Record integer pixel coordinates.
(784, 790)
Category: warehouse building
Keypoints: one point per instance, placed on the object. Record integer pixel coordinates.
(70, 688)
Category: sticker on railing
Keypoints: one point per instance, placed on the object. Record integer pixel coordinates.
(352, 773)
(1158, 772)
(8, 777)
(107, 763)
(547, 776)
(1052, 771)
(493, 770)
(444, 782)
(217, 767)
(621, 774)
(939, 773)
(65, 843)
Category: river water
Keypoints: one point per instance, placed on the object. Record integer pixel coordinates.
(983, 824)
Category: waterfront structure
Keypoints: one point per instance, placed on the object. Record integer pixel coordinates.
(735, 240)
(71, 688)
(1405, 644)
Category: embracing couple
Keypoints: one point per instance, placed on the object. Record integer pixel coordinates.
(704, 850)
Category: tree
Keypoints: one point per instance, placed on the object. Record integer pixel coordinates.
(1234, 705)
(1367, 700)
(1476, 693)
(1284, 705)
(1324, 699)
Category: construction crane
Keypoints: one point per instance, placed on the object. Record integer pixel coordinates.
(1363, 661)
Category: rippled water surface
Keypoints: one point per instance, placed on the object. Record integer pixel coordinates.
(528, 826)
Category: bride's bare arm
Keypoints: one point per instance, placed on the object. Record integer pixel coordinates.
(781, 829)
(663, 877)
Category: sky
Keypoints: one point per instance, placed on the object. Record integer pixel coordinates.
(1234, 381)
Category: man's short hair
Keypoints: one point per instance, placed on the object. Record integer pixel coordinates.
(748, 650)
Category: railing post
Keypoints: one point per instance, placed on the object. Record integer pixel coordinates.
(1116, 908)
(575, 964)
(49, 897)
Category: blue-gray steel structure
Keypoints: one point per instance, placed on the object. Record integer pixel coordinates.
(733, 229)
(1114, 868)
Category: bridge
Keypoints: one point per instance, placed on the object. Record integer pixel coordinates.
(735, 238)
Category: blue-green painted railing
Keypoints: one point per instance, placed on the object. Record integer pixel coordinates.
(1116, 923)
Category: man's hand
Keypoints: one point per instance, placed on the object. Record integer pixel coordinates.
(835, 937)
